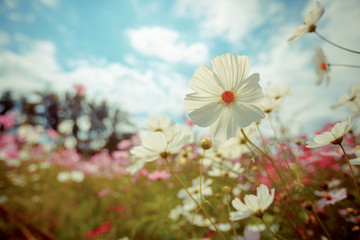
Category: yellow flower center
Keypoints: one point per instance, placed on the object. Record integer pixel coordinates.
(227, 96)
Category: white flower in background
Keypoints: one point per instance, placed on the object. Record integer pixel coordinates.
(194, 190)
(352, 98)
(279, 93)
(321, 66)
(331, 197)
(157, 123)
(212, 156)
(223, 227)
(236, 146)
(77, 176)
(63, 176)
(334, 136)
(66, 127)
(309, 25)
(254, 205)
(70, 142)
(356, 161)
(241, 187)
(226, 168)
(199, 220)
(224, 98)
(177, 212)
(155, 146)
(269, 104)
(31, 134)
(135, 166)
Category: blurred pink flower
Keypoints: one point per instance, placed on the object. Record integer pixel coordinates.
(120, 155)
(159, 175)
(124, 144)
(66, 157)
(144, 172)
(80, 89)
(7, 120)
(53, 134)
(104, 192)
(103, 228)
(117, 208)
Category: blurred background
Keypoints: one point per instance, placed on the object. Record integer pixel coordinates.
(135, 58)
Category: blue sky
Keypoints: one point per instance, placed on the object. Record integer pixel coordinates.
(141, 54)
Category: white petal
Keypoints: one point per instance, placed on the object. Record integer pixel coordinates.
(224, 127)
(230, 69)
(312, 144)
(194, 101)
(155, 141)
(239, 215)
(299, 32)
(249, 91)
(355, 161)
(314, 15)
(324, 138)
(251, 202)
(203, 81)
(245, 114)
(206, 115)
(238, 205)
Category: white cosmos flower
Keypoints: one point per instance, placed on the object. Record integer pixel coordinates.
(155, 146)
(279, 93)
(157, 123)
(352, 97)
(334, 136)
(236, 146)
(254, 205)
(321, 66)
(309, 25)
(356, 161)
(269, 104)
(224, 98)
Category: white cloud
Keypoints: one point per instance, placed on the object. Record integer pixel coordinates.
(156, 90)
(231, 20)
(4, 38)
(166, 45)
(50, 3)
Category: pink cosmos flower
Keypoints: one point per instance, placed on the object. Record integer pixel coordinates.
(124, 144)
(103, 228)
(7, 120)
(79, 88)
(159, 175)
(53, 134)
(104, 192)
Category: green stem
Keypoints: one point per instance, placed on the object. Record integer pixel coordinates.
(321, 223)
(268, 228)
(229, 210)
(334, 44)
(343, 65)
(186, 189)
(351, 169)
(201, 169)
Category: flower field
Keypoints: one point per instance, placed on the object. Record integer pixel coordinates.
(248, 178)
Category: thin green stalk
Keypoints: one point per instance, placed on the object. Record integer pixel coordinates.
(321, 223)
(336, 45)
(229, 210)
(343, 65)
(186, 189)
(268, 228)
(351, 169)
(201, 169)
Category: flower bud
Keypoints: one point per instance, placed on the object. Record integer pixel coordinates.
(206, 143)
(226, 189)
